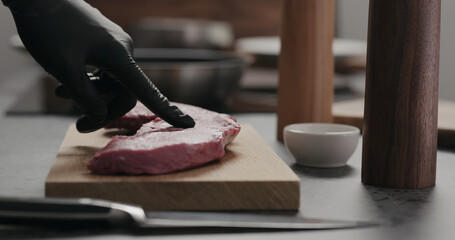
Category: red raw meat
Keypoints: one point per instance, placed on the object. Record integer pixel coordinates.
(134, 119)
(159, 148)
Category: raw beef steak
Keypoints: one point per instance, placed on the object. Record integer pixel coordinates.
(134, 119)
(158, 148)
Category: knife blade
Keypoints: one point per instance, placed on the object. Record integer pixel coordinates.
(85, 212)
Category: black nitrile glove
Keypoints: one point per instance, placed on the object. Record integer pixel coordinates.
(66, 35)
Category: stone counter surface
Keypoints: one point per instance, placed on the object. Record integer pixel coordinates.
(28, 145)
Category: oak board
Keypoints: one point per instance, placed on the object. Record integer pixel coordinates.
(249, 177)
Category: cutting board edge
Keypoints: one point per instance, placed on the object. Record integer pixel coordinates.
(284, 196)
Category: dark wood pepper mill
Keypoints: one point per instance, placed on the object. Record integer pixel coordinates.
(305, 91)
(401, 105)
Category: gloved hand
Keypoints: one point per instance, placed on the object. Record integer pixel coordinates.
(66, 35)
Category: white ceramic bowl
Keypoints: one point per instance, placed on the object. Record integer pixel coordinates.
(322, 145)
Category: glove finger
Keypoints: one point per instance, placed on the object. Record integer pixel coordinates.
(62, 92)
(121, 103)
(131, 76)
(96, 73)
(84, 93)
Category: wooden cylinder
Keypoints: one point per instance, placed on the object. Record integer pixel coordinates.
(305, 91)
(401, 105)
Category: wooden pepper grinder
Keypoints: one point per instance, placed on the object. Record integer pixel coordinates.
(305, 91)
(401, 105)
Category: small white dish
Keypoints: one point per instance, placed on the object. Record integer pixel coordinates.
(323, 145)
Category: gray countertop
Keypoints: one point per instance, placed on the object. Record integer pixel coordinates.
(28, 145)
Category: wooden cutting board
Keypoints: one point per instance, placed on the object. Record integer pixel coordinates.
(351, 112)
(249, 177)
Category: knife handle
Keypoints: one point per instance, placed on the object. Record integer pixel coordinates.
(61, 213)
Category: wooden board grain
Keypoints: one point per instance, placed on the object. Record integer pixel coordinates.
(249, 177)
(351, 112)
